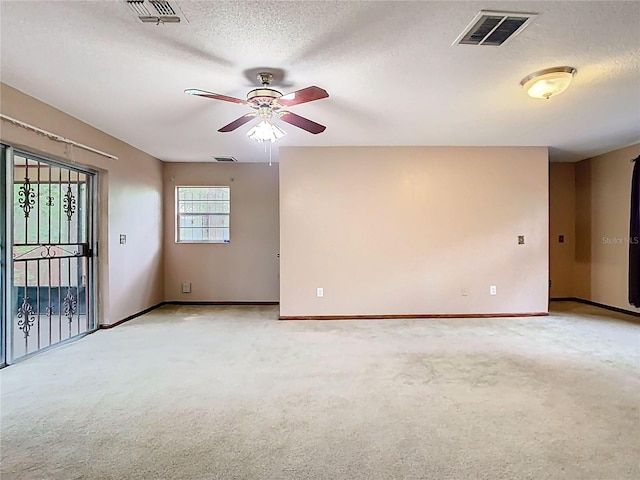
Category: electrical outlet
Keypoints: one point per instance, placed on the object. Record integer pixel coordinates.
(186, 287)
(493, 290)
(123, 239)
(464, 292)
(560, 238)
(319, 292)
(520, 239)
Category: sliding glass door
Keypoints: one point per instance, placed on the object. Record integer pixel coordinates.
(49, 282)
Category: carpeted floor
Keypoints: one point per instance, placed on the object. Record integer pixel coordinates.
(199, 393)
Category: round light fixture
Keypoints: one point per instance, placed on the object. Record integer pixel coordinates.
(548, 82)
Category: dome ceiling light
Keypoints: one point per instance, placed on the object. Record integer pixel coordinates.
(549, 82)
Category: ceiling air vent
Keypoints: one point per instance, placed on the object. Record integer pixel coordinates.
(225, 159)
(156, 11)
(163, 8)
(139, 7)
(493, 28)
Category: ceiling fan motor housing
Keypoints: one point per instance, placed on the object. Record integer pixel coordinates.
(262, 96)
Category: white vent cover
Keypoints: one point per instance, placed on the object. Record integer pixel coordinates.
(163, 8)
(156, 11)
(494, 28)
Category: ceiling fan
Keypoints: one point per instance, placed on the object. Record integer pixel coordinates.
(269, 103)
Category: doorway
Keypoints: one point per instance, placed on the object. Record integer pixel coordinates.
(49, 285)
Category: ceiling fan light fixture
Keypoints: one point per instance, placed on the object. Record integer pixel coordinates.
(265, 131)
(548, 82)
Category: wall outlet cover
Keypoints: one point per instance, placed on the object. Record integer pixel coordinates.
(186, 287)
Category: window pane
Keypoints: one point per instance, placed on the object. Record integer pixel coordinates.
(197, 234)
(204, 221)
(203, 214)
(197, 206)
(204, 234)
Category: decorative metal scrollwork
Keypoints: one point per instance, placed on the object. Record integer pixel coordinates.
(49, 201)
(69, 203)
(26, 318)
(49, 312)
(47, 253)
(70, 305)
(27, 252)
(71, 251)
(26, 197)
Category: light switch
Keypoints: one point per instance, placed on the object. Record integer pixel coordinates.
(123, 239)
(520, 239)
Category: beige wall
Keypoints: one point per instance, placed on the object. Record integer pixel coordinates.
(130, 201)
(603, 190)
(582, 264)
(562, 221)
(402, 230)
(244, 270)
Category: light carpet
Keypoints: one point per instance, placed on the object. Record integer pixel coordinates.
(203, 392)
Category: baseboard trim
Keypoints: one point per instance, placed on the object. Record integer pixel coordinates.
(131, 317)
(158, 305)
(180, 302)
(595, 304)
(412, 316)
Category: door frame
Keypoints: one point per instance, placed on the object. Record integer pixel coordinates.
(6, 152)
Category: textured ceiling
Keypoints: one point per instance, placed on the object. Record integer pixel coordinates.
(393, 76)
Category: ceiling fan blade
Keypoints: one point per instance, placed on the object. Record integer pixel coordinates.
(305, 95)
(238, 122)
(301, 122)
(215, 96)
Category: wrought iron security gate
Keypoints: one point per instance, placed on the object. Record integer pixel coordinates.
(51, 229)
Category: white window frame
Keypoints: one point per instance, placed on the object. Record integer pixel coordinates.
(179, 215)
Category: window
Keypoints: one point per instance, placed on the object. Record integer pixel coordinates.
(202, 214)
